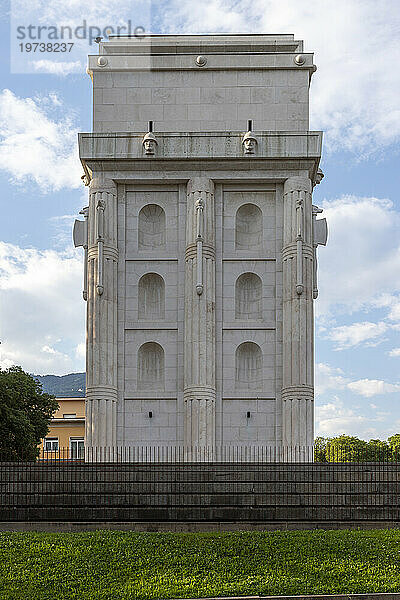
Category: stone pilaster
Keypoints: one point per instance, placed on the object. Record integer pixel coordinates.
(101, 355)
(199, 348)
(298, 343)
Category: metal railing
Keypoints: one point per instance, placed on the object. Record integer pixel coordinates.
(176, 483)
(210, 454)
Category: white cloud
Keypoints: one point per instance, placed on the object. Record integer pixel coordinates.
(354, 93)
(55, 99)
(333, 378)
(62, 226)
(49, 350)
(356, 269)
(77, 23)
(372, 387)
(102, 13)
(349, 336)
(42, 309)
(334, 418)
(35, 147)
(395, 352)
(328, 378)
(334, 415)
(80, 351)
(57, 68)
(392, 303)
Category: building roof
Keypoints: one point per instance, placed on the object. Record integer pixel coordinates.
(210, 43)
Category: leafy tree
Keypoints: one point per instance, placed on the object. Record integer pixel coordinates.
(320, 444)
(378, 450)
(346, 448)
(394, 445)
(25, 413)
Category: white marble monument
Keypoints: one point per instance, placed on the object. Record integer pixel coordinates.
(200, 242)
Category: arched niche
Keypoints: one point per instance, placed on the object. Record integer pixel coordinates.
(150, 372)
(248, 366)
(248, 227)
(151, 227)
(248, 297)
(151, 297)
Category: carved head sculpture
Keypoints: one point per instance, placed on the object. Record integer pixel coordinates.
(249, 142)
(149, 143)
(199, 204)
(85, 179)
(319, 177)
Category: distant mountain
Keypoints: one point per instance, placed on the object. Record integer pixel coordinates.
(64, 386)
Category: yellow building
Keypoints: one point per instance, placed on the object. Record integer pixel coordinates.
(66, 436)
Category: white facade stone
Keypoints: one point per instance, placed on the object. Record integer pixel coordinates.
(200, 250)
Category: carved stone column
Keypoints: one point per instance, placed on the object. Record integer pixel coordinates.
(101, 355)
(298, 320)
(199, 348)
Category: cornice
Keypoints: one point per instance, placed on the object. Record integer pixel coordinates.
(208, 151)
(187, 62)
(199, 44)
(173, 145)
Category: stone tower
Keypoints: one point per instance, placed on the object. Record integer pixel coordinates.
(200, 242)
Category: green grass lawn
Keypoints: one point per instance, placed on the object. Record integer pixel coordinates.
(111, 565)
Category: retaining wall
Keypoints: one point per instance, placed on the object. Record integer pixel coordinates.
(268, 493)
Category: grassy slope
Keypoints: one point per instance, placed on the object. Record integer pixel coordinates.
(116, 565)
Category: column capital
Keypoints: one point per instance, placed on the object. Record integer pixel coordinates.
(298, 184)
(200, 184)
(103, 184)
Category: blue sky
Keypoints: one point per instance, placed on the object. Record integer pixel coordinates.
(354, 100)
